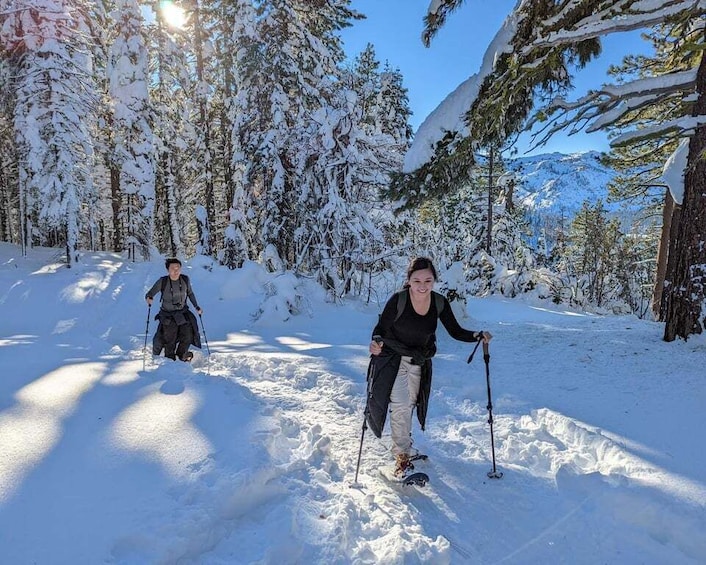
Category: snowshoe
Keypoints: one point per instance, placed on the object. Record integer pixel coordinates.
(404, 471)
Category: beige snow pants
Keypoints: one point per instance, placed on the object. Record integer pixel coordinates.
(403, 400)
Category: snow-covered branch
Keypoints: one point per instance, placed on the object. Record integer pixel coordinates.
(603, 108)
(448, 118)
(611, 17)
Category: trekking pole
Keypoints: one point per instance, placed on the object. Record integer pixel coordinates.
(365, 416)
(360, 451)
(208, 361)
(147, 330)
(494, 474)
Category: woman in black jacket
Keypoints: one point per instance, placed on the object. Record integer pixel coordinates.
(404, 341)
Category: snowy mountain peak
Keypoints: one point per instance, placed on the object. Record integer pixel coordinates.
(554, 182)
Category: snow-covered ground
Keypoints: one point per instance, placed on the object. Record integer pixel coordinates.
(249, 456)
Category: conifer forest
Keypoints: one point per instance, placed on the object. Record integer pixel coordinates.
(242, 130)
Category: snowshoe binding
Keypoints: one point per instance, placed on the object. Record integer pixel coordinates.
(404, 471)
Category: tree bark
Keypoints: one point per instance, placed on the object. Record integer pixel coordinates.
(685, 295)
(4, 206)
(510, 195)
(116, 204)
(662, 254)
(671, 262)
(489, 235)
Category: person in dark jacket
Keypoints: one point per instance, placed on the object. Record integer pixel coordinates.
(404, 341)
(178, 328)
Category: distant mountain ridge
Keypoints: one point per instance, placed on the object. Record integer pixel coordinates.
(556, 182)
(554, 186)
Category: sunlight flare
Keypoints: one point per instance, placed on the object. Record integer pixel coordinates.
(173, 15)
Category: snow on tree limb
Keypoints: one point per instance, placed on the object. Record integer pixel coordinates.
(684, 126)
(610, 17)
(602, 108)
(449, 116)
(682, 79)
(675, 169)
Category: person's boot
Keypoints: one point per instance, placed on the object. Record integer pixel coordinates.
(188, 356)
(403, 466)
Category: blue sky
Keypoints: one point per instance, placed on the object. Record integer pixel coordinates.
(394, 27)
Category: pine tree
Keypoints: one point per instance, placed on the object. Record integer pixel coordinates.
(9, 191)
(200, 22)
(338, 156)
(134, 147)
(279, 94)
(107, 203)
(241, 241)
(548, 39)
(510, 248)
(641, 160)
(635, 269)
(593, 242)
(174, 137)
(382, 135)
(55, 97)
(366, 81)
(292, 63)
(336, 184)
(220, 21)
(393, 106)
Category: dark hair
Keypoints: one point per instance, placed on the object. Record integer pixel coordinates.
(419, 264)
(171, 261)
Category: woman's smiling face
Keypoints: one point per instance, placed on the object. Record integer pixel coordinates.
(421, 282)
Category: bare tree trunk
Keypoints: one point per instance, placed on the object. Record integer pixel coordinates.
(25, 219)
(116, 202)
(685, 294)
(489, 235)
(671, 261)
(662, 255)
(5, 214)
(510, 195)
(171, 206)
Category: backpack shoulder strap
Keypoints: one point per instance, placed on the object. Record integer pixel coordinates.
(439, 302)
(401, 302)
(165, 280)
(164, 285)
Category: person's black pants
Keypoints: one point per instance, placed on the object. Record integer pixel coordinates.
(175, 338)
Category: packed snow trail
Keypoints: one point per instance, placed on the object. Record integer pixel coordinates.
(101, 461)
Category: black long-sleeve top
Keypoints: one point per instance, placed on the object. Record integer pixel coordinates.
(419, 332)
